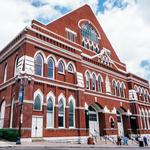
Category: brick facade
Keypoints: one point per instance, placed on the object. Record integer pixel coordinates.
(132, 101)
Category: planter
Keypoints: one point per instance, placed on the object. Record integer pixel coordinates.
(90, 141)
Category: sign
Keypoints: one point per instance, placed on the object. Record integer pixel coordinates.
(21, 94)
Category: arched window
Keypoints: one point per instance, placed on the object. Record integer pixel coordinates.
(108, 88)
(71, 114)
(61, 113)
(114, 87)
(37, 103)
(70, 68)
(12, 112)
(118, 89)
(112, 122)
(99, 83)
(50, 113)
(94, 82)
(147, 119)
(89, 32)
(51, 68)
(122, 90)
(87, 80)
(143, 119)
(15, 67)
(2, 114)
(61, 67)
(5, 73)
(38, 65)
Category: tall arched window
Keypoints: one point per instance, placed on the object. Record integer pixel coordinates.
(37, 103)
(15, 67)
(87, 80)
(5, 73)
(61, 67)
(114, 87)
(99, 83)
(94, 82)
(12, 112)
(51, 68)
(50, 113)
(71, 114)
(143, 119)
(147, 119)
(61, 113)
(122, 90)
(39, 65)
(118, 89)
(2, 114)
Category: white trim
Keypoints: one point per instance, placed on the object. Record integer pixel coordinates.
(71, 98)
(5, 73)
(43, 60)
(53, 57)
(69, 30)
(89, 21)
(12, 112)
(61, 96)
(42, 54)
(34, 30)
(50, 94)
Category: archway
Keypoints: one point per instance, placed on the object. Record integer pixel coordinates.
(120, 124)
(94, 126)
(2, 114)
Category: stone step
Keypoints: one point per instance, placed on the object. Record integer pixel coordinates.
(37, 139)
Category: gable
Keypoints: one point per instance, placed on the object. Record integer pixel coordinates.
(72, 21)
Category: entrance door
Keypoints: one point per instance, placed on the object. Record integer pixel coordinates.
(37, 126)
(120, 124)
(93, 122)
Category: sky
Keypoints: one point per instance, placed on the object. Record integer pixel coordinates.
(125, 22)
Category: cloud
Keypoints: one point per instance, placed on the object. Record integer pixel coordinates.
(126, 23)
(128, 29)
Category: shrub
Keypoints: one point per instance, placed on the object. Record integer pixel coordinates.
(9, 134)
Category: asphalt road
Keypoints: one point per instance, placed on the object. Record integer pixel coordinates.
(79, 148)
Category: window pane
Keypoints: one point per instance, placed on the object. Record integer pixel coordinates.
(37, 103)
(70, 68)
(38, 65)
(49, 119)
(71, 114)
(61, 67)
(60, 121)
(50, 105)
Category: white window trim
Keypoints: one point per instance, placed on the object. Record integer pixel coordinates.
(50, 94)
(53, 67)
(71, 98)
(61, 96)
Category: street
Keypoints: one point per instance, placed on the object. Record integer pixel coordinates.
(72, 148)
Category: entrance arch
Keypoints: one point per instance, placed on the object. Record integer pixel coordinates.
(94, 127)
(2, 114)
(120, 123)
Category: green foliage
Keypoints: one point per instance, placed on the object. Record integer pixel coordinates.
(9, 134)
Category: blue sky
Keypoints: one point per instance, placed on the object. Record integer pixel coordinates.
(120, 19)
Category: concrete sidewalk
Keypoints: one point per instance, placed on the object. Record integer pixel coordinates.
(60, 145)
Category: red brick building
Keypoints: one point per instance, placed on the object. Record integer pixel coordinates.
(72, 83)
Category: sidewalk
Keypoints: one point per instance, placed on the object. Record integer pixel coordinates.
(60, 145)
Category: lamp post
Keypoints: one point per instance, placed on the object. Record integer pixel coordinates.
(23, 82)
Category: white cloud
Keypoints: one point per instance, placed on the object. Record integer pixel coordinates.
(129, 32)
(128, 28)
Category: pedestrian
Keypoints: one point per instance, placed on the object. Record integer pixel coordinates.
(145, 141)
(118, 140)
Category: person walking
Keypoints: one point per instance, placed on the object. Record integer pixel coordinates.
(145, 141)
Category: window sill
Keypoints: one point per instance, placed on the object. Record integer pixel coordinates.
(62, 73)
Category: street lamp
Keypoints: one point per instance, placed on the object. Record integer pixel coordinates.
(23, 82)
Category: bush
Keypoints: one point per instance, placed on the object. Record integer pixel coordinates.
(9, 134)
